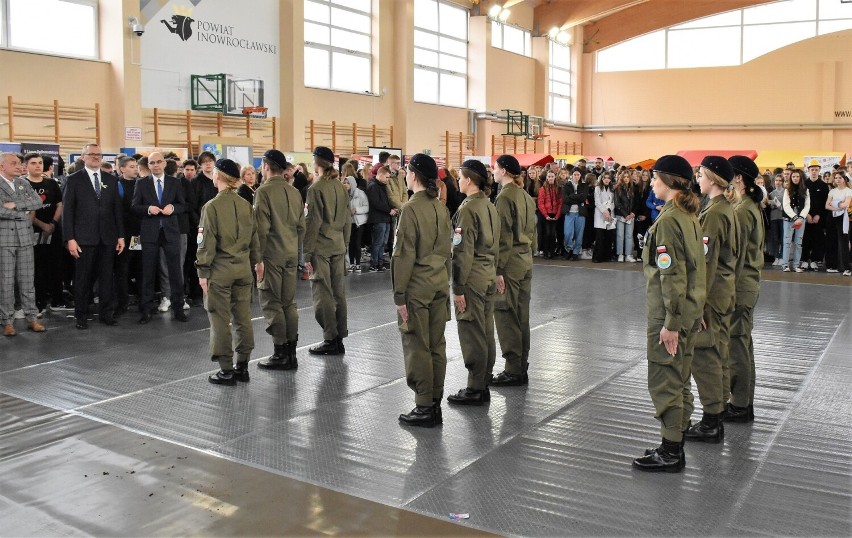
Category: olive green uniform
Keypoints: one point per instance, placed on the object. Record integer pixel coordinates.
(676, 282)
(476, 245)
(749, 265)
(518, 241)
(719, 229)
(227, 250)
(327, 230)
(420, 268)
(280, 219)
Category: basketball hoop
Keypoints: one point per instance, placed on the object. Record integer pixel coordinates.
(255, 111)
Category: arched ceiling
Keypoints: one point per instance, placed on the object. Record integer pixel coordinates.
(606, 22)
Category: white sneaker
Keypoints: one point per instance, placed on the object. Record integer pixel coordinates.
(786, 269)
(814, 266)
(185, 305)
(847, 273)
(804, 265)
(19, 314)
(586, 255)
(630, 259)
(799, 270)
(777, 262)
(832, 271)
(621, 257)
(165, 304)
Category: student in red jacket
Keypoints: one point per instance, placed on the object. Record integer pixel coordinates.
(550, 207)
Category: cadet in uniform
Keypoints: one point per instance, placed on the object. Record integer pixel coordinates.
(675, 272)
(719, 229)
(280, 219)
(327, 232)
(749, 263)
(420, 269)
(227, 247)
(518, 241)
(476, 245)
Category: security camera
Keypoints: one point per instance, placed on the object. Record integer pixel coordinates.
(135, 27)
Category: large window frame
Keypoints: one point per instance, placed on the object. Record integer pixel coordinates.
(498, 38)
(59, 29)
(559, 82)
(337, 53)
(739, 36)
(440, 57)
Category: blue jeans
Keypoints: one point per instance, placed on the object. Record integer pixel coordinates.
(380, 239)
(624, 238)
(573, 231)
(794, 238)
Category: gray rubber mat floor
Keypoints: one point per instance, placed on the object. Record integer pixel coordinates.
(551, 459)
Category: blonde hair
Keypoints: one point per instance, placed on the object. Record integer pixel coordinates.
(731, 194)
(230, 182)
(684, 198)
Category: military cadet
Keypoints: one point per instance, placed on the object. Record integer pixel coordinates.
(749, 264)
(280, 219)
(518, 242)
(420, 269)
(675, 272)
(227, 246)
(719, 234)
(476, 245)
(327, 231)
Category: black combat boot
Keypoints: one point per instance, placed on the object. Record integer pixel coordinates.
(649, 451)
(738, 414)
(505, 379)
(223, 377)
(241, 372)
(439, 415)
(277, 360)
(328, 347)
(423, 416)
(667, 458)
(340, 349)
(468, 396)
(709, 430)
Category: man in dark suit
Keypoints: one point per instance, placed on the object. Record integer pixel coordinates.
(158, 200)
(93, 229)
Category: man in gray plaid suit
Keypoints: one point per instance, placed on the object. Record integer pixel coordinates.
(16, 244)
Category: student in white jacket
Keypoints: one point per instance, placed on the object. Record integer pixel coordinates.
(797, 204)
(360, 207)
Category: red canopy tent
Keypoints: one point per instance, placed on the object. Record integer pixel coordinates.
(528, 159)
(695, 156)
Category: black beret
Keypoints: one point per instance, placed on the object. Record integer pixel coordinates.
(228, 167)
(510, 164)
(720, 166)
(476, 167)
(745, 167)
(424, 165)
(324, 154)
(275, 156)
(674, 165)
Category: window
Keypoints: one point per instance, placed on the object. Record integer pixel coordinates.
(440, 53)
(559, 84)
(338, 45)
(511, 38)
(66, 27)
(730, 38)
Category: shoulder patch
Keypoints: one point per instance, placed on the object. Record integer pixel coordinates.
(661, 249)
(457, 236)
(664, 260)
(706, 245)
(200, 238)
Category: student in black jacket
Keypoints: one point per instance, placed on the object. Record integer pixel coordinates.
(575, 193)
(380, 216)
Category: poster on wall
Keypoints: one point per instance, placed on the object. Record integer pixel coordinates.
(203, 37)
(826, 162)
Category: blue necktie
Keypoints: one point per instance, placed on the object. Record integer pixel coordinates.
(97, 185)
(120, 190)
(160, 191)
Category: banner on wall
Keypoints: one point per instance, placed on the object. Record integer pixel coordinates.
(202, 37)
(826, 162)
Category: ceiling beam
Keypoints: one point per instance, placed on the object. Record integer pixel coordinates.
(567, 13)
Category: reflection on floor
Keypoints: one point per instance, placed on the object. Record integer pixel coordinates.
(319, 451)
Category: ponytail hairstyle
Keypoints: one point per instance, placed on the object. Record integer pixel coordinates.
(328, 171)
(429, 184)
(684, 198)
(731, 194)
(482, 183)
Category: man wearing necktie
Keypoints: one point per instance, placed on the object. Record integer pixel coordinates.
(158, 200)
(93, 229)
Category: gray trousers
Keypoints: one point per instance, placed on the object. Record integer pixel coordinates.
(17, 266)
